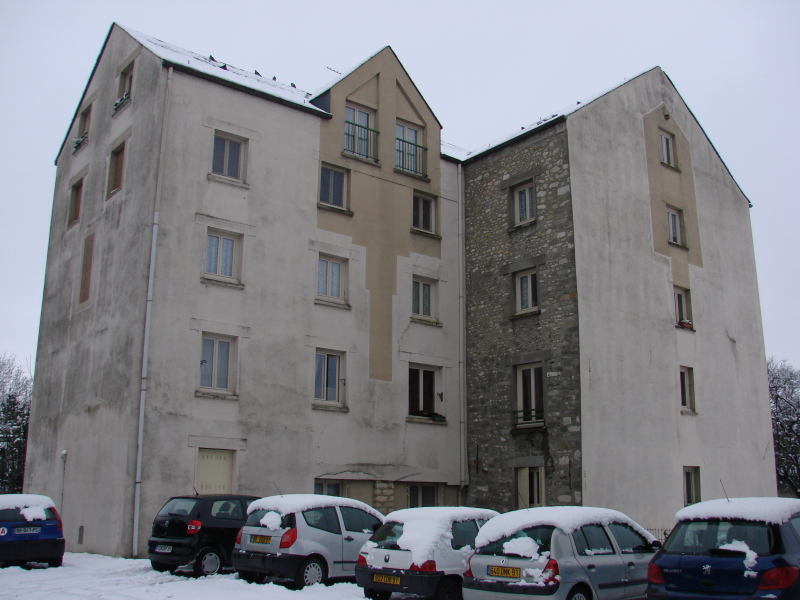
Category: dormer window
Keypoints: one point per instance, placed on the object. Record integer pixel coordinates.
(360, 138)
(410, 154)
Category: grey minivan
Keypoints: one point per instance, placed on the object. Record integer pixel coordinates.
(303, 538)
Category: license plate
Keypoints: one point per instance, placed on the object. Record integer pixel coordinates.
(20, 530)
(379, 578)
(261, 539)
(504, 572)
(164, 549)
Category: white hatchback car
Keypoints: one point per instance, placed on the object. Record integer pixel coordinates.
(303, 538)
(420, 551)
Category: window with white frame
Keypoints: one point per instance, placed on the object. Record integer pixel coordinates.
(530, 487)
(410, 154)
(216, 362)
(223, 255)
(686, 382)
(524, 198)
(675, 225)
(328, 376)
(330, 277)
(683, 307)
(691, 485)
(332, 187)
(667, 142)
(424, 214)
(530, 394)
(360, 137)
(229, 156)
(526, 291)
(422, 301)
(422, 391)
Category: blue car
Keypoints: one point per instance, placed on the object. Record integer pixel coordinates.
(30, 530)
(730, 549)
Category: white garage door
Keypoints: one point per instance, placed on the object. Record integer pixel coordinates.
(214, 471)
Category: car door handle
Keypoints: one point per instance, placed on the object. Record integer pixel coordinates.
(632, 565)
(591, 567)
(349, 538)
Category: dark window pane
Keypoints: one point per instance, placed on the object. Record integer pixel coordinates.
(218, 164)
(324, 186)
(234, 148)
(464, 533)
(428, 495)
(207, 363)
(337, 191)
(428, 389)
(323, 518)
(413, 391)
(539, 391)
(332, 378)
(319, 377)
(426, 215)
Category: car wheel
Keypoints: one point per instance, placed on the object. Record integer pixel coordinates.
(580, 594)
(208, 562)
(55, 562)
(251, 576)
(311, 571)
(448, 589)
(377, 594)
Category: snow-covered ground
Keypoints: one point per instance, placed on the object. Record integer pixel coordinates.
(96, 577)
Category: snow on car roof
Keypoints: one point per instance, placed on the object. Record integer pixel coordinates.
(769, 510)
(441, 513)
(289, 503)
(31, 505)
(566, 518)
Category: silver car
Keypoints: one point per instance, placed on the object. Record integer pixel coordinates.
(562, 552)
(303, 538)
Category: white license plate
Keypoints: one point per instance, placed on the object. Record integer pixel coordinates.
(164, 549)
(20, 530)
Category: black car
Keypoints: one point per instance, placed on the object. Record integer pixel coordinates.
(197, 531)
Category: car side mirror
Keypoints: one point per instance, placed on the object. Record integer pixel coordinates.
(655, 544)
(376, 526)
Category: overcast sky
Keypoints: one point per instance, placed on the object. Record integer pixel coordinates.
(485, 68)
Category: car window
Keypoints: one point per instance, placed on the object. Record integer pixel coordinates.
(178, 506)
(541, 534)
(591, 540)
(358, 520)
(15, 514)
(629, 540)
(387, 535)
(796, 525)
(226, 509)
(703, 537)
(323, 518)
(254, 519)
(464, 533)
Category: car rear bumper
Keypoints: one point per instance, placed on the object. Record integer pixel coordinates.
(275, 565)
(32, 550)
(483, 589)
(658, 592)
(182, 551)
(419, 583)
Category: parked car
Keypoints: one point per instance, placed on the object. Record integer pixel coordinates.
(197, 531)
(563, 552)
(737, 548)
(30, 530)
(420, 551)
(303, 538)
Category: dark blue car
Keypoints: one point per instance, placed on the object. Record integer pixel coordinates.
(30, 530)
(730, 549)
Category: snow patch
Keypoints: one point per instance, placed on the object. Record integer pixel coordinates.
(750, 556)
(768, 510)
(522, 547)
(290, 503)
(32, 506)
(271, 520)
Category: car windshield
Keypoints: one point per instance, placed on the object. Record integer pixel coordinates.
(178, 506)
(387, 535)
(15, 514)
(254, 519)
(718, 537)
(540, 534)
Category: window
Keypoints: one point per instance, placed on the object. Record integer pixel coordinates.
(228, 157)
(591, 540)
(116, 167)
(526, 292)
(327, 488)
(691, 485)
(223, 255)
(683, 308)
(215, 362)
(329, 277)
(675, 225)
(667, 141)
(530, 394)
(421, 391)
(75, 199)
(359, 138)
(629, 540)
(422, 298)
(530, 487)
(83, 128)
(421, 495)
(323, 518)
(125, 87)
(410, 155)
(524, 198)
(423, 214)
(358, 520)
(87, 261)
(327, 368)
(686, 375)
(464, 534)
(331, 187)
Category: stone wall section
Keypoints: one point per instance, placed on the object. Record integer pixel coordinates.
(383, 500)
(496, 340)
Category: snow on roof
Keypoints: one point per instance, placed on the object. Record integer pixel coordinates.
(220, 70)
(444, 514)
(31, 505)
(454, 151)
(289, 503)
(566, 518)
(769, 510)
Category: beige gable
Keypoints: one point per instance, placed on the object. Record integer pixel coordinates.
(367, 94)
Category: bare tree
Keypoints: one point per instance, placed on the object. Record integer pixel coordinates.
(15, 402)
(784, 397)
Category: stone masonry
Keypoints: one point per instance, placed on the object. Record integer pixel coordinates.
(497, 339)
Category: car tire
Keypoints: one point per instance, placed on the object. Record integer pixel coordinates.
(377, 594)
(251, 576)
(580, 593)
(448, 589)
(312, 570)
(208, 562)
(55, 562)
